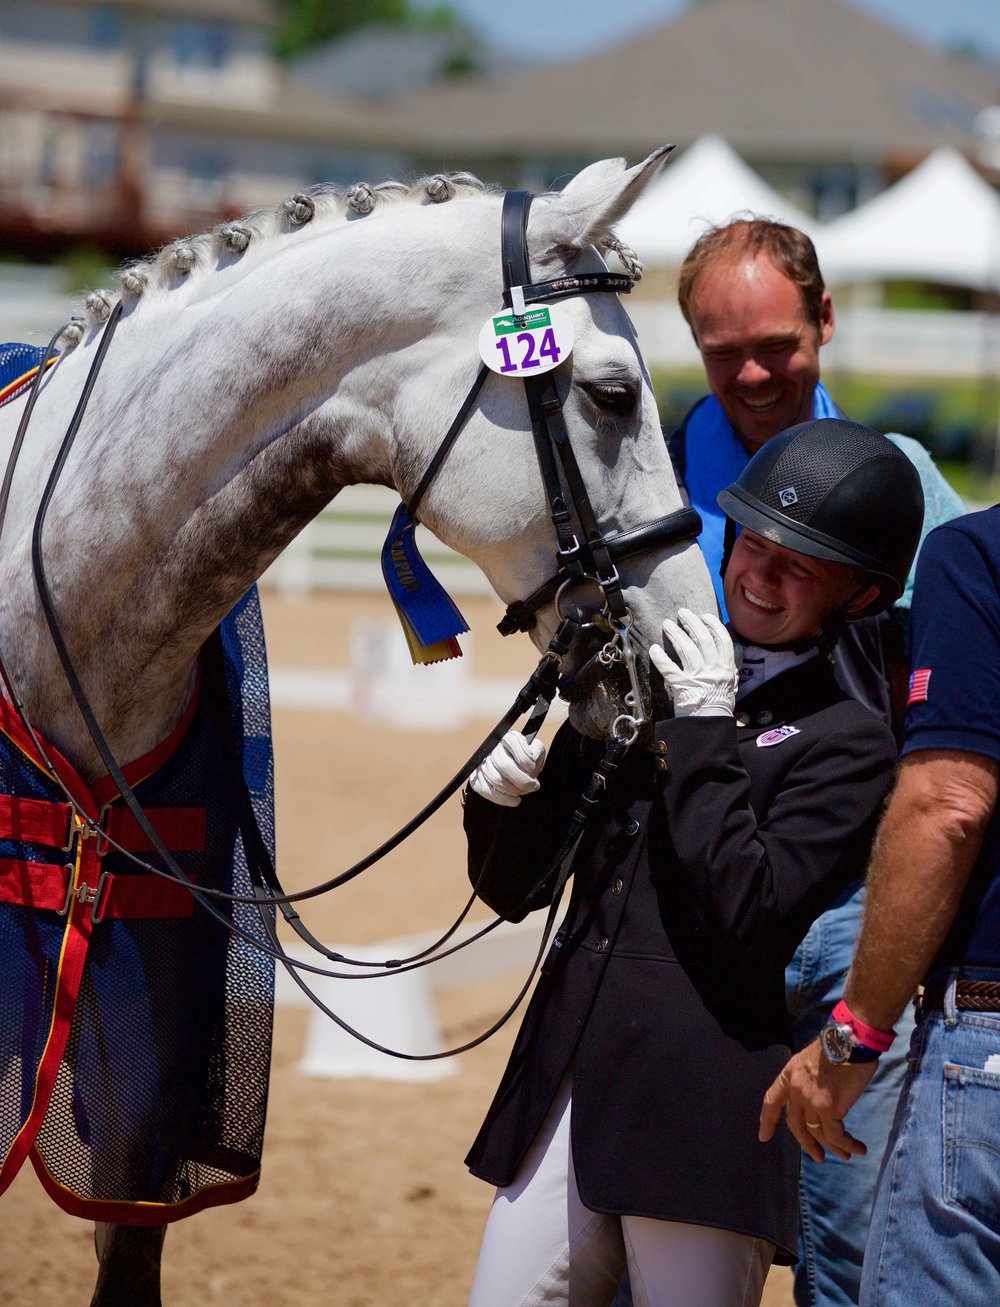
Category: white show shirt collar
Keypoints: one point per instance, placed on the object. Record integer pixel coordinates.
(760, 665)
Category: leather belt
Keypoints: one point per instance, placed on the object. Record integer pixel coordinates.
(970, 996)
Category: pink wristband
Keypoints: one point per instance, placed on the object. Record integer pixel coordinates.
(878, 1040)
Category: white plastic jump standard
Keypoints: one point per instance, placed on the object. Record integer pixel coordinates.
(397, 1009)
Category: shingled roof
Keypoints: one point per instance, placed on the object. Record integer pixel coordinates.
(775, 78)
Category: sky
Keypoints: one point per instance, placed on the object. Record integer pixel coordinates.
(569, 29)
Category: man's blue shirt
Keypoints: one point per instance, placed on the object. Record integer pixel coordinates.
(955, 695)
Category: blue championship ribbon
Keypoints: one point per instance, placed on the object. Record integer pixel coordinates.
(427, 614)
(18, 365)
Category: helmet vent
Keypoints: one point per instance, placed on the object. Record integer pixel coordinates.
(813, 465)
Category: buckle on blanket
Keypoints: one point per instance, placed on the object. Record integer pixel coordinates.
(78, 828)
(92, 894)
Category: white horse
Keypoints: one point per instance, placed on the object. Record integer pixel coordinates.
(260, 368)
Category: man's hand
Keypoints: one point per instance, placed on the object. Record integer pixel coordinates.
(816, 1096)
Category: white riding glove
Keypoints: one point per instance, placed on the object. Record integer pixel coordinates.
(705, 683)
(510, 771)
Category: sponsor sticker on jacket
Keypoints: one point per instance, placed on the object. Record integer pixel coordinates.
(776, 736)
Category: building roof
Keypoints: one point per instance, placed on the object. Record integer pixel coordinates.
(300, 115)
(775, 78)
(251, 13)
(376, 62)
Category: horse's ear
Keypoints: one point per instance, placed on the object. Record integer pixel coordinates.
(587, 208)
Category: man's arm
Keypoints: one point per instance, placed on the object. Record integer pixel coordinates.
(926, 848)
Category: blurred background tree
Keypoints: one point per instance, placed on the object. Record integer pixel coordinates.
(308, 23)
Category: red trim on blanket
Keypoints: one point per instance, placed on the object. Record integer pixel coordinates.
(15, 731)
(72, 957)
(233, 1191)
(104, 791)
(138, 769)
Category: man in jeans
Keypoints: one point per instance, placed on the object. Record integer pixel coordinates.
(933, 914)
(754, 297)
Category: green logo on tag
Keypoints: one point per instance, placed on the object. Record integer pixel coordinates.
(534, 319)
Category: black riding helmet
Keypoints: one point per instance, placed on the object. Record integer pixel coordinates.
(837, 490)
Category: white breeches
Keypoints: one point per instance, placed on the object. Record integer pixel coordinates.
(543, 1248)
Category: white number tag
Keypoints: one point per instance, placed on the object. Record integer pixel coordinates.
(538, 342)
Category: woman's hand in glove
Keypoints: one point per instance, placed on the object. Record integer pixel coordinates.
(704, 685)
(510, 771)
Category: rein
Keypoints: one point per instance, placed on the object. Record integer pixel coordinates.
(585, 558)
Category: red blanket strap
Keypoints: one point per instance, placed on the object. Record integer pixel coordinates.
(178, 828)
(36, 821)
(122, 898)
(40, 821)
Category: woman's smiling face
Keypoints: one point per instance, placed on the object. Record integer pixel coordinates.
(776, 596)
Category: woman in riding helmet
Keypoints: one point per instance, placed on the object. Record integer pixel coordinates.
(624, 1131)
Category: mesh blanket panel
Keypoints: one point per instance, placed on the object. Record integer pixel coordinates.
(162, 1091)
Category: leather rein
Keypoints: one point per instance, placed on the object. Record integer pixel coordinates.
(586, 559)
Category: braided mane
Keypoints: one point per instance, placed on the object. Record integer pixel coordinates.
(326, 204)
(195, 256)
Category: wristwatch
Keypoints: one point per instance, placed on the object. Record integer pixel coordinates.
(841, 1045)
(846, 1040)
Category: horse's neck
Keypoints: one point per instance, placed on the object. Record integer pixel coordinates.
(189, 477)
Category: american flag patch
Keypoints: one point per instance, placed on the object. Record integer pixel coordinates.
(919, 681)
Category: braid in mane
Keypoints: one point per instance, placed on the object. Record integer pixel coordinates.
(199, 255)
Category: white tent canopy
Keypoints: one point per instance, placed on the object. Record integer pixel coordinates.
(708, 184)
(940, 223)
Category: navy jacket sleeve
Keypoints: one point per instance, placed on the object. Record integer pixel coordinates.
(756, 879)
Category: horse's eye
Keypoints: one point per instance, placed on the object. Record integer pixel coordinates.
(613, 397)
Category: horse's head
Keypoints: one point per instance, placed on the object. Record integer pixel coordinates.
(488, 499)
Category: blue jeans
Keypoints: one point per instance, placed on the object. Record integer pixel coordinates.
(835, 1197)
(935, 1230)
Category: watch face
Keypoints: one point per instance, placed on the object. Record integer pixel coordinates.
(836, 1042)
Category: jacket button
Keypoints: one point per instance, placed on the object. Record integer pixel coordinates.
(661, 746)
(632, 828)
(765, 718)
(617, 886)
(661, 764)
(601, 944)
(742, 719)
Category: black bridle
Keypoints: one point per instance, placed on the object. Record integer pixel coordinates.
(585, 558)
(584, 554)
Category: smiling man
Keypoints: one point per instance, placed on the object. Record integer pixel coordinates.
(754, 297)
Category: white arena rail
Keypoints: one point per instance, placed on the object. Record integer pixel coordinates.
(341, 549)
